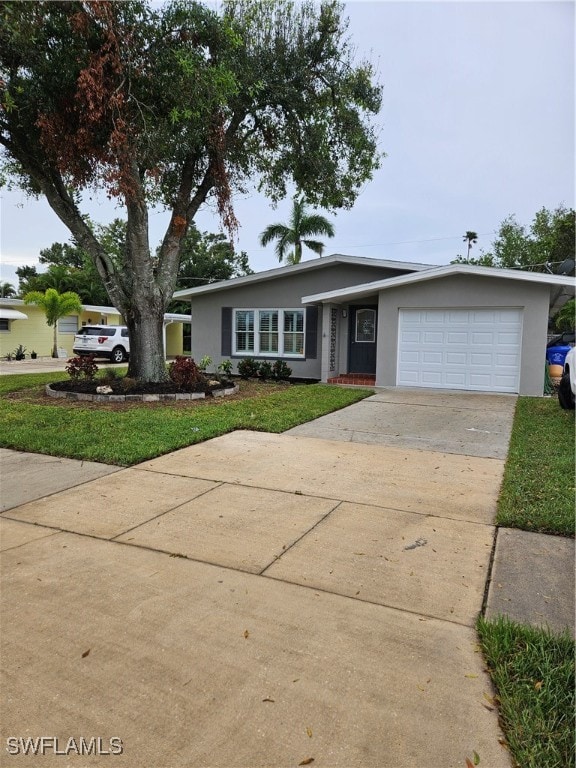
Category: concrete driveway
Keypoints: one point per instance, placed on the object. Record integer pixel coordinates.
(469, 423)
(261, 600)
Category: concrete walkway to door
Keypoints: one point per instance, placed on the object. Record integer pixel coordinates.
(262, 600)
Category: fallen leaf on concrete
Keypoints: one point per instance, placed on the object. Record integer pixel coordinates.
(471, 676)
(309, 732)
(307, 761)
(268, 699)
(476, 758)
(85, 653)
(246, 634)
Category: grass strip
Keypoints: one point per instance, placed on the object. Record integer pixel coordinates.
(538, 488)
(132, 435)
(533, 672)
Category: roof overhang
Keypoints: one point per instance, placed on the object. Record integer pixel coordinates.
(343, 295)
(12, 314)
(100, 310)
(172, 317)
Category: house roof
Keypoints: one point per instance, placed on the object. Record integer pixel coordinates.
(304, 266)
(434, 273)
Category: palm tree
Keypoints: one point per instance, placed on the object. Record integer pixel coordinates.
(55, 306)
(296, 234)
(471, 238)
(7, 290)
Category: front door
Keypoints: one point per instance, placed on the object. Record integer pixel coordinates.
(362, 350)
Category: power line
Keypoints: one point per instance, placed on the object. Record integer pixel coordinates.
(410, 242)
(400, 242)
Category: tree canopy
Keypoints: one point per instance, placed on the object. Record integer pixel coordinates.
(179, 106)
(207, 258)
(69, 268)
(298, 232)
(543, 247)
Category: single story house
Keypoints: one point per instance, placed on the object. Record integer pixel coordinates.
(393, 323)
(25, 324)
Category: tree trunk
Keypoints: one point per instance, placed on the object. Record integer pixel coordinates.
(147, 358)
(55, 340)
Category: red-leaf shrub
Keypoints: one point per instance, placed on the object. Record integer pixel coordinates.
(184, 372)
(82, 367)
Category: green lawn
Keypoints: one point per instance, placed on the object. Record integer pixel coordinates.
(533, 671)
(532, 668)
(131, 435)
(538, 489)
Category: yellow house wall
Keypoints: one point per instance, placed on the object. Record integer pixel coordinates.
(174, 339)
(35, 334)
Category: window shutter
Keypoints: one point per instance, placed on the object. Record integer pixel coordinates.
(226, 345)
(311, 333)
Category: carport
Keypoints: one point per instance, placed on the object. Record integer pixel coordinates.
(455, 327)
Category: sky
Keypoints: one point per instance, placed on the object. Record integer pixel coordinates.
(477, 123)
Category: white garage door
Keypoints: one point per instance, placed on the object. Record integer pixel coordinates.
(476, 349)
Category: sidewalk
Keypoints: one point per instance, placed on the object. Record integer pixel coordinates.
(40, 365)
(259, 600)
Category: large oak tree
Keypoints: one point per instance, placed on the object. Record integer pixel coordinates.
(179, 106)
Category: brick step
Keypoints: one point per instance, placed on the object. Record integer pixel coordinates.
(358, 379)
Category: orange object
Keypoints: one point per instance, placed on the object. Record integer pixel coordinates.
(555, 371)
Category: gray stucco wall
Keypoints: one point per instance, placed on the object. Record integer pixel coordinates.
(282, 293)
(469, 292)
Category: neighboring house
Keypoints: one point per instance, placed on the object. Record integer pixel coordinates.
(453, 327)
(25, 324)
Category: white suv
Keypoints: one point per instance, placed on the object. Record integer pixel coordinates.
(567, 386)
(110, 341)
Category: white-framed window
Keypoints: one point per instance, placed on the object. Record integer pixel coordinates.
(268, 332)
(68, 324)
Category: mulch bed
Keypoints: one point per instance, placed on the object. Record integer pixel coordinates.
(248, 389)
(120, 387)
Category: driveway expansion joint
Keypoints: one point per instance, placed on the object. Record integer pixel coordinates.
(293, 544)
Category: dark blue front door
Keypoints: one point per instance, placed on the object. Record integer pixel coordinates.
(362, 348)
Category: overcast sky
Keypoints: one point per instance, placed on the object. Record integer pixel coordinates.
(477, 123)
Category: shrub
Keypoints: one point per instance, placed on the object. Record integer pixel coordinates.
(19, 352)
(82, 367)
(248, 367)
(204, 363)
(225, 367)
(265, 370)
(128, 384)
(111, 375)
(281, 371)
(184, 372)
(565, 319)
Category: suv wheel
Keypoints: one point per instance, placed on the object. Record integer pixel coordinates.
(565, 396)
(118, 355)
